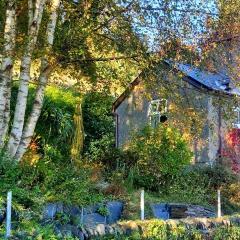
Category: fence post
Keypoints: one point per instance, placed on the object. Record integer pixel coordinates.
(142, 204)
(81, 220)
(9, 213)
(219, 213)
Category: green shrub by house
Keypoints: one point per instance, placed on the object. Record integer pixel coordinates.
(199, 184)
(160, 154)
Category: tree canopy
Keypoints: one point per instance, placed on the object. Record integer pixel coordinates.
(95, 46)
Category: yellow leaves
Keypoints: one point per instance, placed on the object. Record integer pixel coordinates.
(187, 136)
(169, 130)
(20, 38)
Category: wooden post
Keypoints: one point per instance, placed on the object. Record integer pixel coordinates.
(142, 204)
(219, 213)
(9, 213)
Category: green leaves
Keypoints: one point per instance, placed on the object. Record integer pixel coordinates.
(98, 125)
(161, 154)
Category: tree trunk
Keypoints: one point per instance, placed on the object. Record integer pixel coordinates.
(43, 79)
(30, 13)
(20, 108)
(7, 69)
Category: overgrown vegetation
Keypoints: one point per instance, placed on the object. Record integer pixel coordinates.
(47, 180)
(47, 172)
(159, 156)
(198, 185)
(55, 129)
(98, 48)
(192, 185)
(156, 159)
(98, 126)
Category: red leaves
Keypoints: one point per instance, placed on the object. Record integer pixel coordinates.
(231, 149)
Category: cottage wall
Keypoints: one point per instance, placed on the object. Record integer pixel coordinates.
(132, 115)
(214, 125)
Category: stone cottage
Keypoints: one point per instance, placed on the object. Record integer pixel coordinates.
(202, 104)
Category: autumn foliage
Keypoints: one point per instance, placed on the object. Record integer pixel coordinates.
(231, 150)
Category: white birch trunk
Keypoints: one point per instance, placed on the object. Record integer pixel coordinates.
(30, 13)
(43, 79)
(19, 114)
(7, 69)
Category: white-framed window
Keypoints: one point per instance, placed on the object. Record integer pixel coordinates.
(236, 123)
(157, 111)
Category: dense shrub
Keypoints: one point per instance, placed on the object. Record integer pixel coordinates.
(98, 126)
(199, 184)
(156, 231)
(55, 127)
(227, 233)
(31, 229)
(189, 186)
(160, 154)
(47, 180)
(231, 198)
(217, 175)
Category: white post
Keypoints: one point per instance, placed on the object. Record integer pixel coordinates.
(9, 213)
(142, 204)
(219, 214)
(81, 216)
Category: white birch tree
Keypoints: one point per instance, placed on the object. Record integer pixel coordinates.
(23, 127)
(7, 68)
(20, 109)
(42, 82)
(20, 136)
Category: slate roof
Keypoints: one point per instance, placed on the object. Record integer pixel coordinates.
(213, 81)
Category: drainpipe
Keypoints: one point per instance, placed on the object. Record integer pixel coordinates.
(115, 115)
(195, 147)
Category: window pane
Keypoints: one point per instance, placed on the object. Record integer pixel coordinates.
(162, 106)
(154, 107)
(154, 120)
(157, 111)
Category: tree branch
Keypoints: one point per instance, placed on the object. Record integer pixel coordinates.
(113, 58)
(179, 10)
(113, 17)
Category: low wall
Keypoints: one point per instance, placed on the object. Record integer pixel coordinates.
(193, 228)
